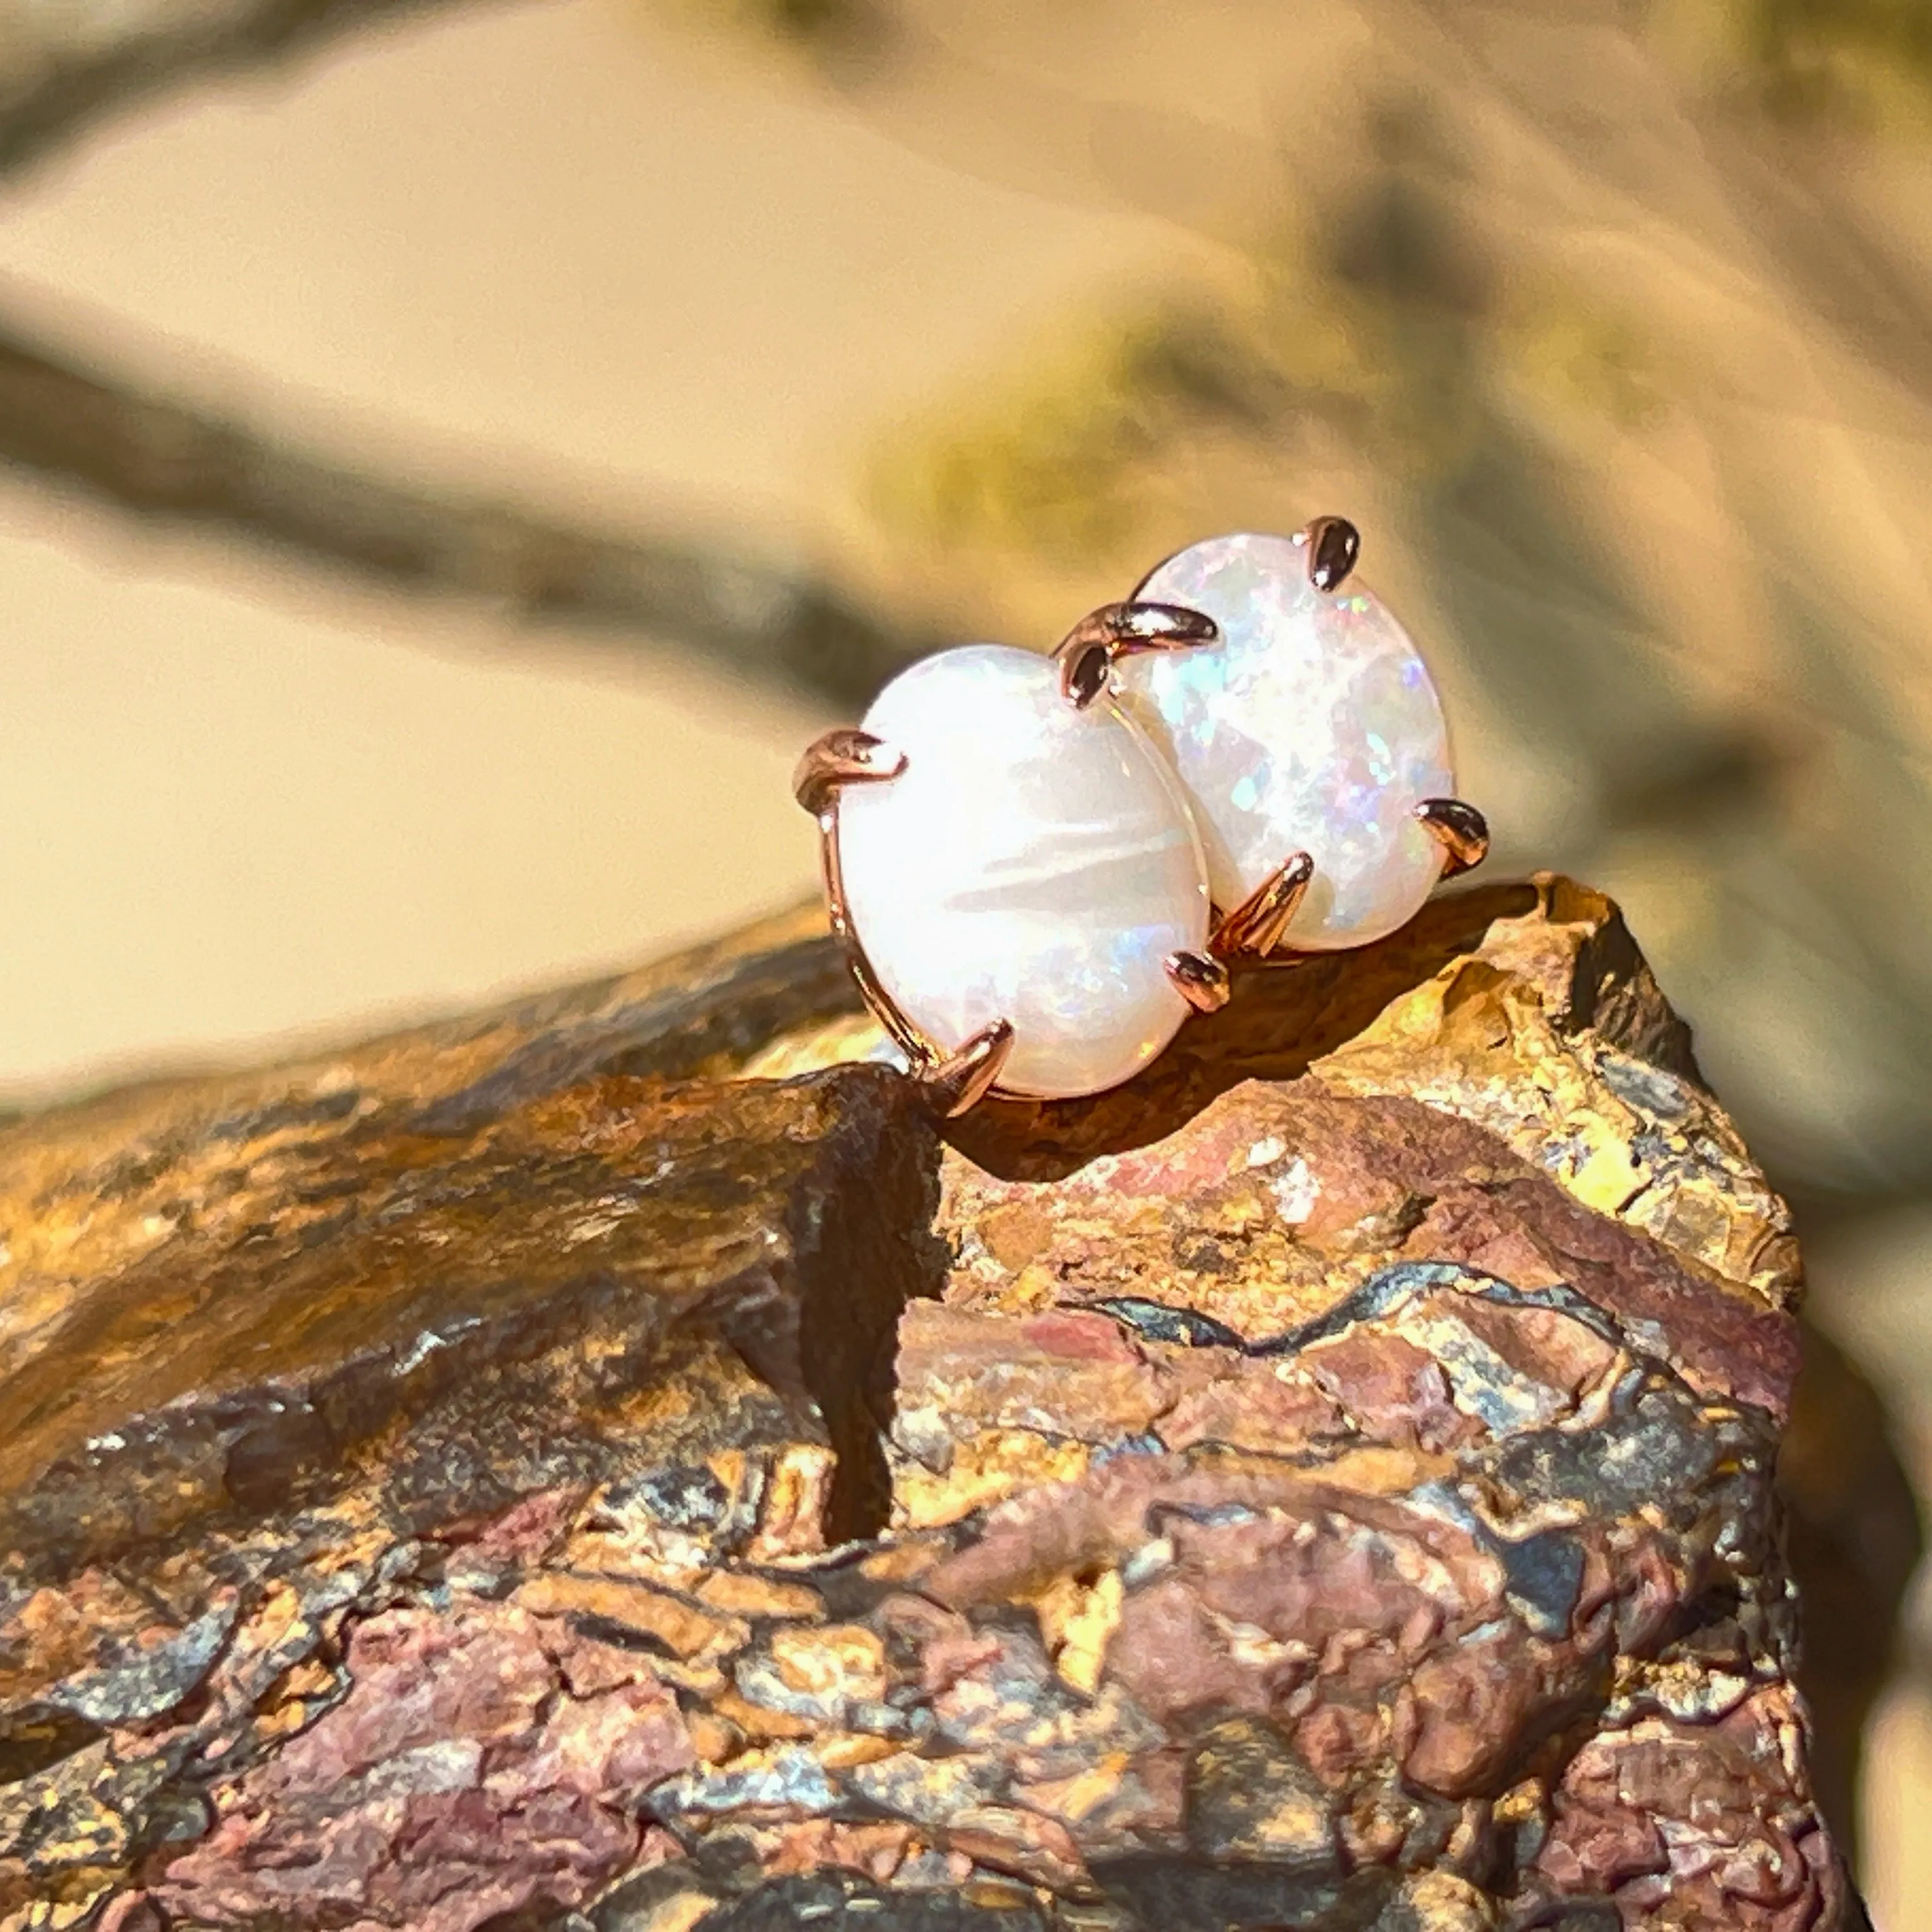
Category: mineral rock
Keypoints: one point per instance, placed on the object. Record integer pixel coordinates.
(607, 1465)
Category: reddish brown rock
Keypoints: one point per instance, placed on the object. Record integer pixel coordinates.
(527, 1475)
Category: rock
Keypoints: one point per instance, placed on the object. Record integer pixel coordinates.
(606, 1464)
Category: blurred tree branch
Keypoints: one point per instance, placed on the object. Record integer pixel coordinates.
(63, 66)
(166, 460)
(66, 65)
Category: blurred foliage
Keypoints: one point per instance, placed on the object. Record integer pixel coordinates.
(838, 31)
(1870, 60)
(1405, 338)
(1076, 451)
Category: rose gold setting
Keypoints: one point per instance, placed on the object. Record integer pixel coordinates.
(1333, 545)
(959, 1082)
(843, 756)
(1200, 979)
(1460, 830)
(915, 1046)
(951, 1083)
(1087, 653)
(1257, 926)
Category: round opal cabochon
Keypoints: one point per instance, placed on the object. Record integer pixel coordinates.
(1313, 726)
(1032, 863)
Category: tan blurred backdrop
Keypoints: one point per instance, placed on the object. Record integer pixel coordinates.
(1610, 323)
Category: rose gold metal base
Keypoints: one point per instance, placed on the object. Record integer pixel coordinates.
(1200, 979)
(1087, 653)
(1460, 830)
(843, 756)
(960, 1081)
(1332, 545)
(1257, 926)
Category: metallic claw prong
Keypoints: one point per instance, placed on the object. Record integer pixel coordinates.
(1332, 544)
(1460, 830)
(843, 756)
(1258, 925)
(1088, 652)
(962, 1080)
(1200, 979)
(1084, 672)
(1134, 626)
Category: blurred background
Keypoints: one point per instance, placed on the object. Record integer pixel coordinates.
(453, 456)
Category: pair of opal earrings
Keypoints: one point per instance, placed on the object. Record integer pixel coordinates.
(1039, 866)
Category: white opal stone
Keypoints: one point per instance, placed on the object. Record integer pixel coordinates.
(1313, 727)
(1032, 863)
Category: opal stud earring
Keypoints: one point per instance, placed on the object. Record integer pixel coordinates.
(1014, 873)
(1050, 860)
(1310, 743)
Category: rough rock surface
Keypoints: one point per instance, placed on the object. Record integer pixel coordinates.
(605, 1464)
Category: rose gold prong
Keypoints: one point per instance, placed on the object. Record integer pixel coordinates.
(1332, 544)
(962, 1080)
(1135, 626)
(1460, 830)
(1087, 652)
(1200, 979)
(1084, 672)
(1258, 925)
(871, 989)
(843, 756)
